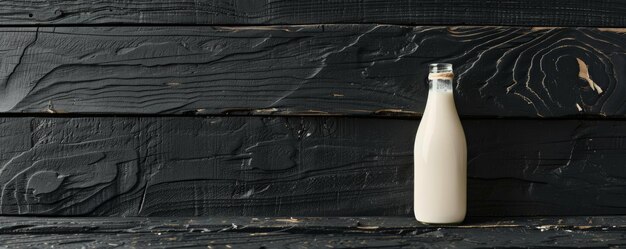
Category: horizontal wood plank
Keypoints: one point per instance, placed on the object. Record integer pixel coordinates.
(445, 238)
(375, 232)
(317, 225)
(446, 12)
(311, 69)
(297, 166)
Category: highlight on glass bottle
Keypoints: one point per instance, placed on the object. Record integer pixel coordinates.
(440, 154)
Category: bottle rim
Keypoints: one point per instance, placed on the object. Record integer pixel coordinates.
(440, 68)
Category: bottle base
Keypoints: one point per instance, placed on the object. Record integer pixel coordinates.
(440, 223)
(434, 222)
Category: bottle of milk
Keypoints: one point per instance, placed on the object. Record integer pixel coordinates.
(440, 154)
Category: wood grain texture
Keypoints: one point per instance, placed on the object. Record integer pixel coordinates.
(316, 225)
(446, 12)
(298, 166)
(314, 69)
(445, 238)
(225, 232)
(202, 166)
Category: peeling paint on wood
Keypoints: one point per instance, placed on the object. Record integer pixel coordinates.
(297, 166)
(584, 74)
(396, 225)
(347, 69)
(313, 232)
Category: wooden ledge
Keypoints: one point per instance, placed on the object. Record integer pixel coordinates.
(310, 232)
(16, 225)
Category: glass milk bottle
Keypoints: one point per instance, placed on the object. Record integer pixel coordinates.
(440, 154)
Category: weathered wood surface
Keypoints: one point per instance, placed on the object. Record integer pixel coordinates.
(447, 12)
(318, 69)
(317, 225)
(224, 232)
(297, 166)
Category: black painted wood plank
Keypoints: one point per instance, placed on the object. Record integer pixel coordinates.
(325, 232)
(314, 69)
(203, 166)
(316, 225)
(446, 12)
(446, 238)
(298, 166)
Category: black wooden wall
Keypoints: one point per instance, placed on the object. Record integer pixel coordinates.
(305, 108)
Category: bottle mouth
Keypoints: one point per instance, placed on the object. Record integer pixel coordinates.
(440, 68)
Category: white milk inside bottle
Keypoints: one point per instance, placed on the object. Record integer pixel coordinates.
(440, 154)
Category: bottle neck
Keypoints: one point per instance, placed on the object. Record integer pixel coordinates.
(440, 86)
(440, 98)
